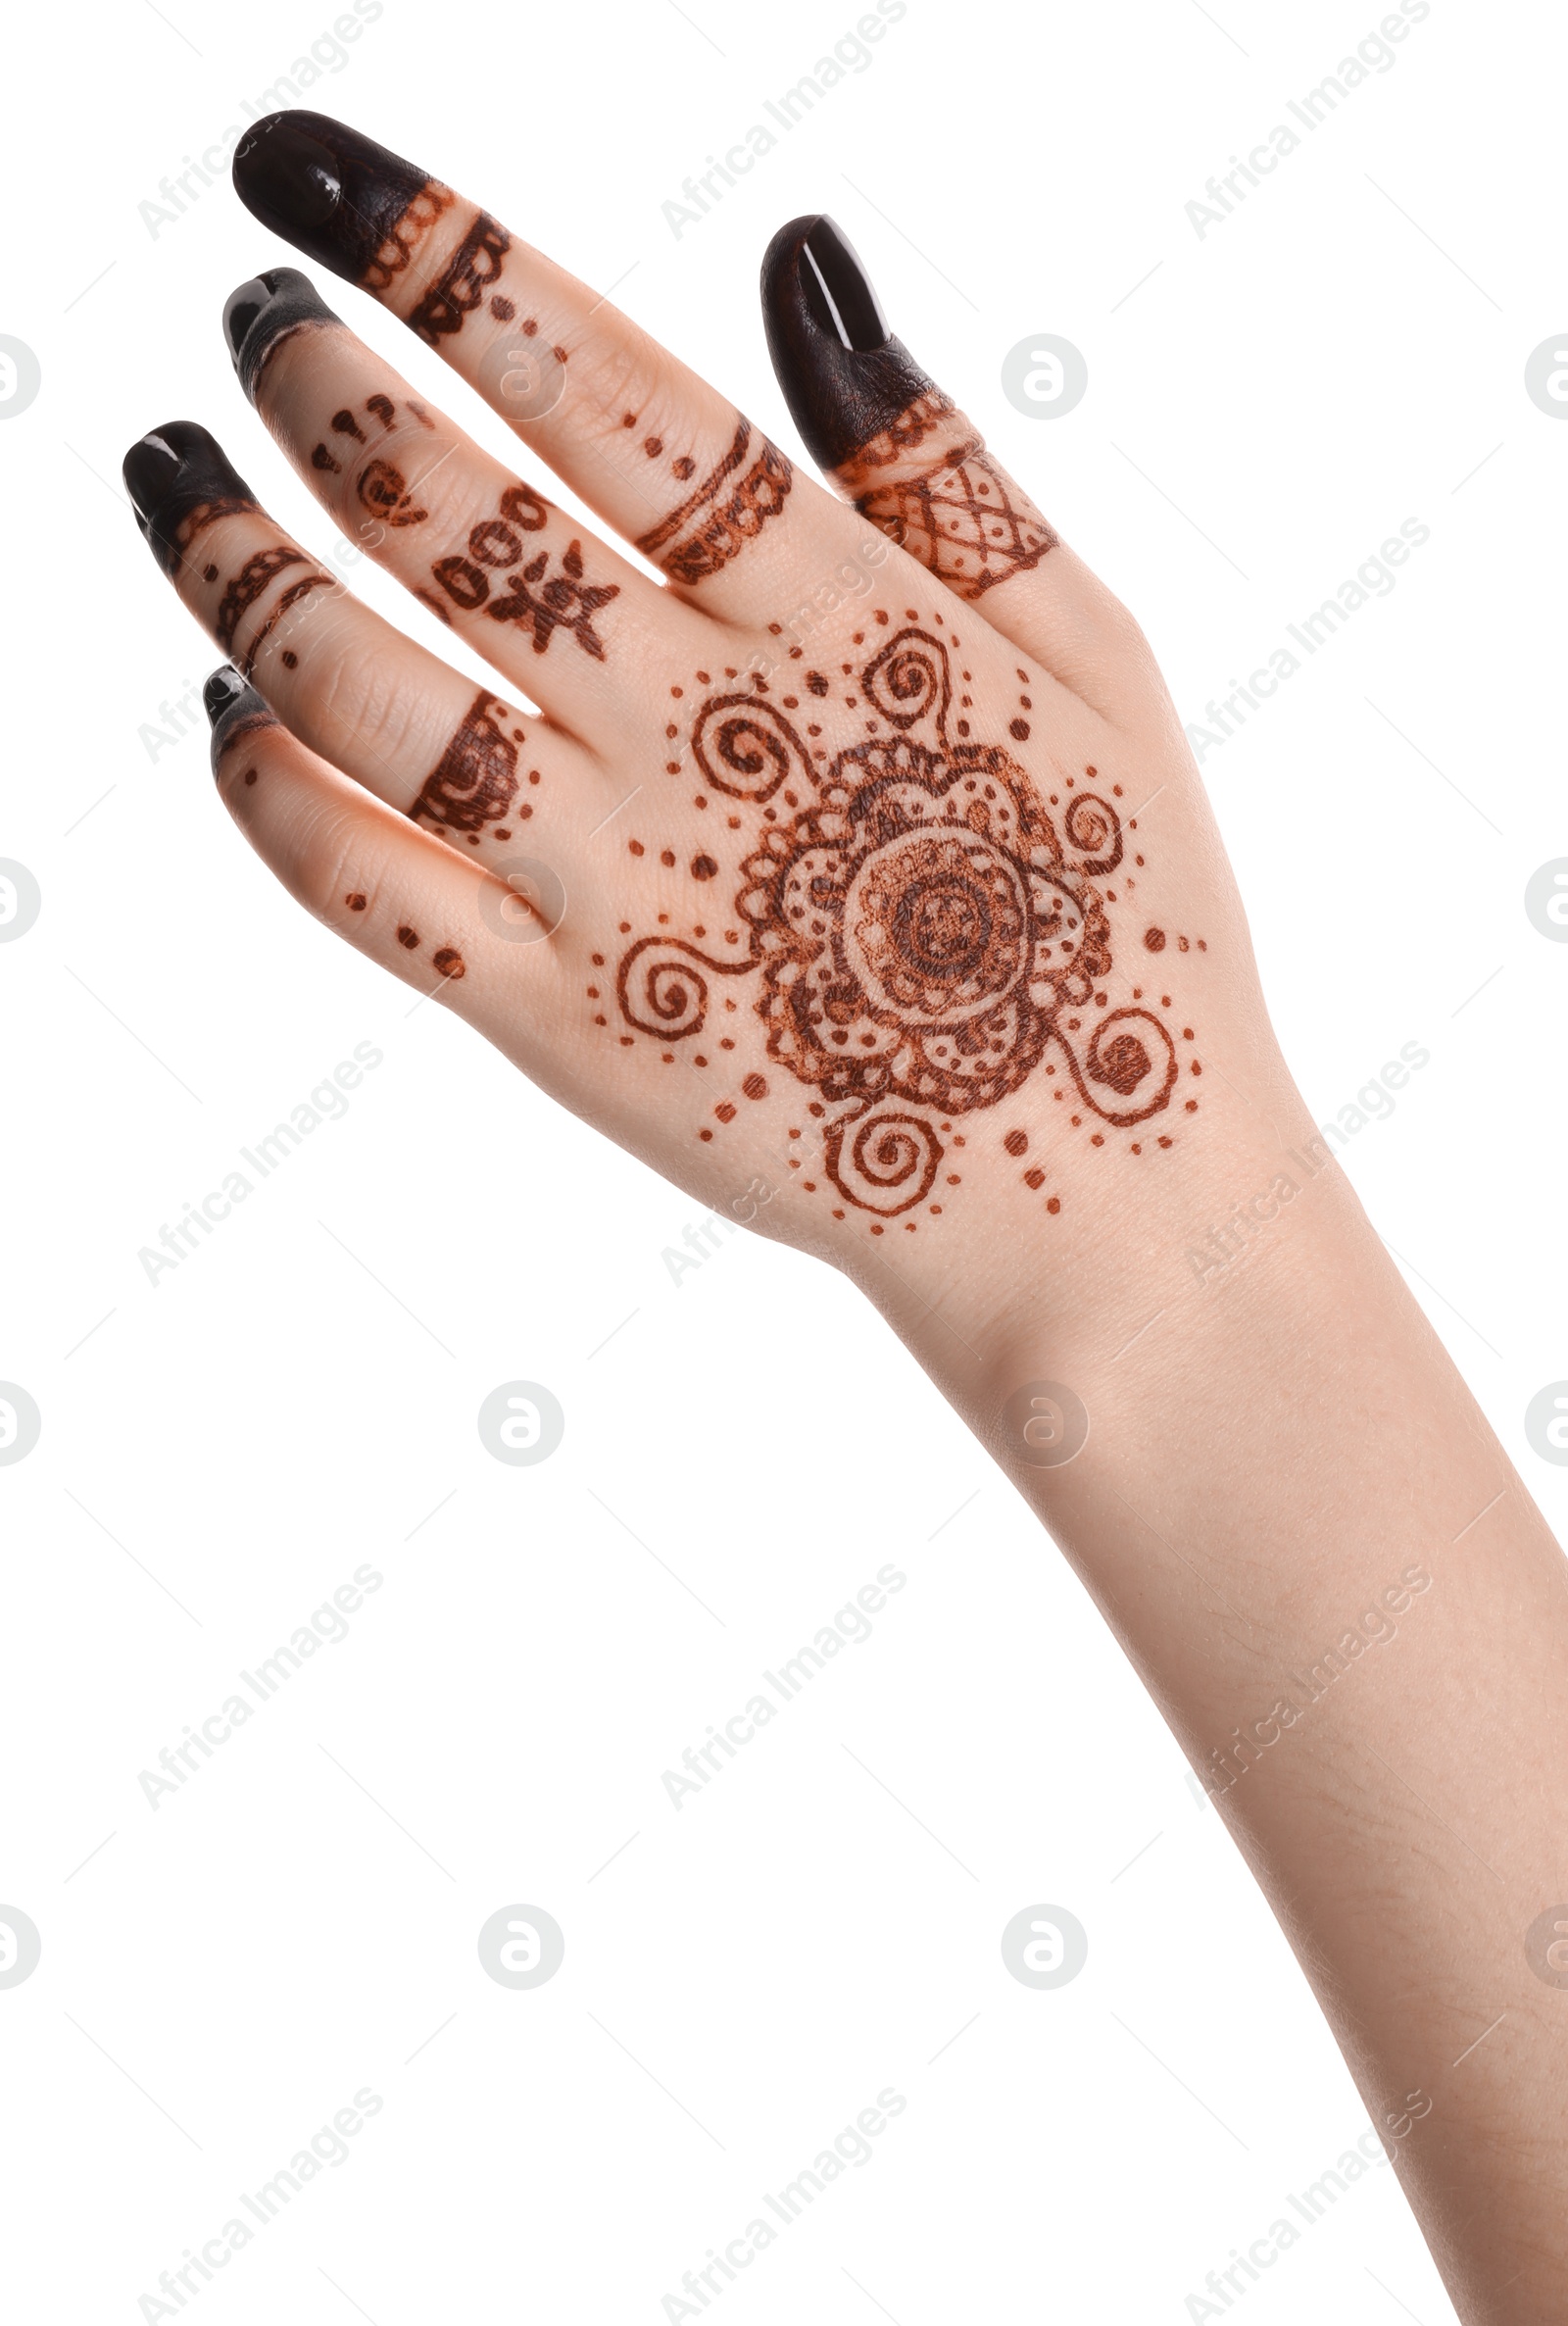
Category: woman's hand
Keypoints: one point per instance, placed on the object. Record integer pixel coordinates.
(859, 878)
(857, 875)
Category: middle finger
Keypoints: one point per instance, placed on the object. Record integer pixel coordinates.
(553, 607)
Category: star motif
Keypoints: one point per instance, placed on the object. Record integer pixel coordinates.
(565, 602)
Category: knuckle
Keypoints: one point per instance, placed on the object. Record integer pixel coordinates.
(361, 707)
(338, 855)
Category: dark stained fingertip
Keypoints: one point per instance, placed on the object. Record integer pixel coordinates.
(263, 312)
(235, 709)
(180, 480)
(845, 378)
(333, 193)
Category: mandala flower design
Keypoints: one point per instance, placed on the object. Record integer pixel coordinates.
(922, 929)
(919, 928)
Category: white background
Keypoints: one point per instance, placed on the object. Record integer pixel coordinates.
(223, 1449)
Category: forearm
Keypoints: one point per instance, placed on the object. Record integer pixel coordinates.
(1333, 1583)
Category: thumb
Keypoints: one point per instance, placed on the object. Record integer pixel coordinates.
(893, 442)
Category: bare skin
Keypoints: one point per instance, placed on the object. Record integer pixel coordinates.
(856, 875)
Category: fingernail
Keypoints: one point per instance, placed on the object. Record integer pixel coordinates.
(333, 193)
(265, 311)
(180, 480)
(234, 709)
(838, 290)
(843, 375)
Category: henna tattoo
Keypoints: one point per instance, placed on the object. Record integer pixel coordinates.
(906, 432)
(1094, 831)
(476, 780)
(957, 512)
(448, 962)
(289, 599)
(925, 935)
(431, 204)
(698, 538)
(911, 464)
(463, 281)
(663, 977)
(565, 601)
(746, 748)
(383, 493)
(380, 489)
(891, 1166)
(252, 580)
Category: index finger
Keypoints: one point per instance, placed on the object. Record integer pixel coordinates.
(662, 456)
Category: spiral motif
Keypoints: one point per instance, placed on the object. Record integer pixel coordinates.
(925, 927)
(909, 681)
(663, 986)
(746, 748)
(1129, 1053)
(890, 1161)
(1095, 828)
